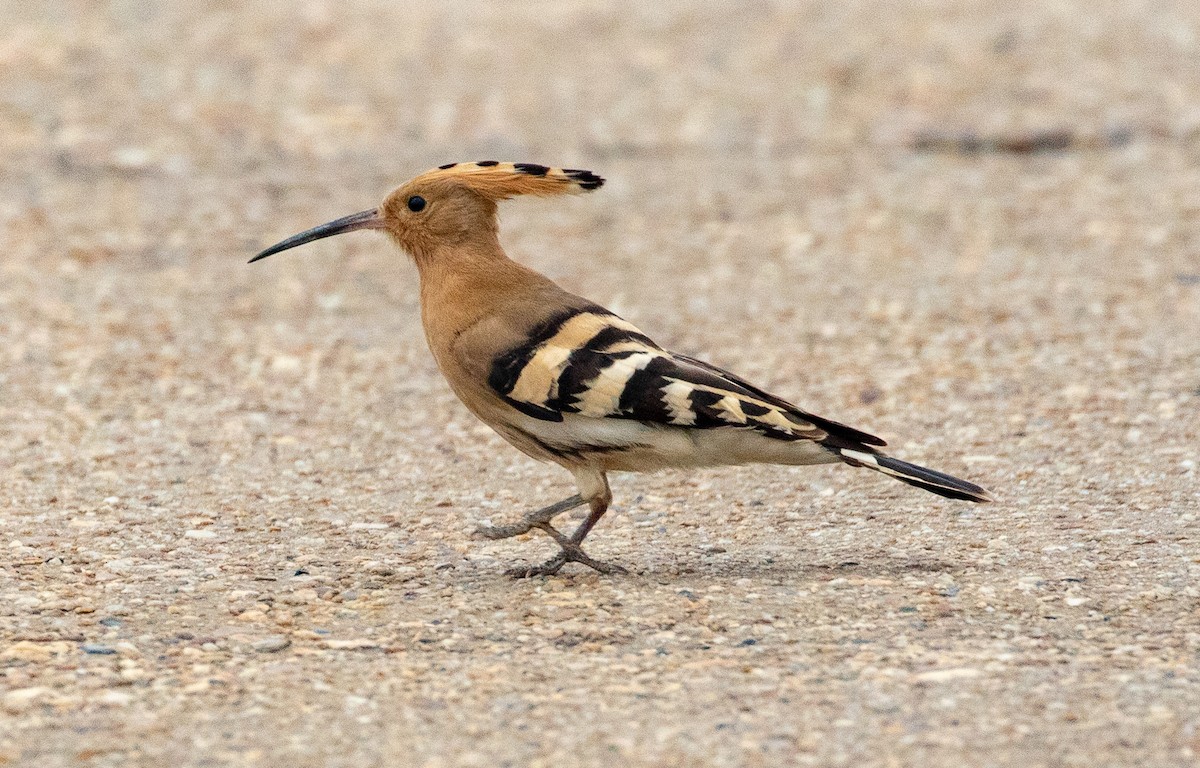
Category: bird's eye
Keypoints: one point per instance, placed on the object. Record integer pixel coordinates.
(416, 203)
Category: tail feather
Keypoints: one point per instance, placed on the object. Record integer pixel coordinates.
(929, 479)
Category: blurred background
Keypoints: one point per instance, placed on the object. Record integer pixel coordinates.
(968, 226)
(853, 173)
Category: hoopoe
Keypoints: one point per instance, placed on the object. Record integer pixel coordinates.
(567, 381)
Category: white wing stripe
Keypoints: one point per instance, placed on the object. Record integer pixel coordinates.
(603, 394)
(731, 409)
(538, 381)
(679, 406)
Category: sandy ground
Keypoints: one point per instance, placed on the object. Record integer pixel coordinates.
(236, 502)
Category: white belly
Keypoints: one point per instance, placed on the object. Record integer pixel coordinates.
(634, 446)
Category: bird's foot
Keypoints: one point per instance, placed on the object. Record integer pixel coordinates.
(570, 553)
(535, 519)
(552, 566)
(540, 519)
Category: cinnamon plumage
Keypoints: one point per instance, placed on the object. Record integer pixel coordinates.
(567, 381)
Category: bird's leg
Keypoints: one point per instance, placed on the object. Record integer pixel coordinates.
(586, 526)
(593, 491)
(594, 486)
(539, 518)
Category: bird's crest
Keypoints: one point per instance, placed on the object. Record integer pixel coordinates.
(500, 181)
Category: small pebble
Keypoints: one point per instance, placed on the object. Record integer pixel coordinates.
(271, 644)
(116, 698)
(98, 649)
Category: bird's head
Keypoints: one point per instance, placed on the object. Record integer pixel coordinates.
(450, 205)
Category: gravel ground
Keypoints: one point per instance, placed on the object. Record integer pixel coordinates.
(236, 502)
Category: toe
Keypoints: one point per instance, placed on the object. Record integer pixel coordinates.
(548, 568)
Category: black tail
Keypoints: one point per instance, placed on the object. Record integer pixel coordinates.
(928, 479)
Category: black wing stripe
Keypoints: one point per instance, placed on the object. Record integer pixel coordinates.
(738, 382)
(536, 411)
(643, 398)
(754, 410)
(588, 362)
(704, 405)
(507, 368)
(834, 428)
(583, 366)
(612, 336)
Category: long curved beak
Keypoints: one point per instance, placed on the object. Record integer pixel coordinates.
(361, 220)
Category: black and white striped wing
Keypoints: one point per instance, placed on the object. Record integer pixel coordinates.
(595, 364)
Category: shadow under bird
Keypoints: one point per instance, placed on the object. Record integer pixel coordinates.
(565, 380)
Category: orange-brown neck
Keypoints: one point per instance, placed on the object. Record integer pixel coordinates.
(460, 286)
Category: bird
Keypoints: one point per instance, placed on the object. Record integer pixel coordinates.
(567, 381)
